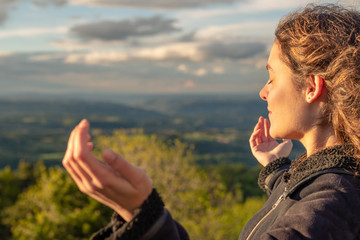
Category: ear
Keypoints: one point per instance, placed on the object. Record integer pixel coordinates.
(315, 88)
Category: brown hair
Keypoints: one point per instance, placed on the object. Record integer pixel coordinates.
(325, 40)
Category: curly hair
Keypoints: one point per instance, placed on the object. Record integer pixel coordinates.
(325, 41)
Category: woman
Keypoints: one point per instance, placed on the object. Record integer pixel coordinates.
(313, 95)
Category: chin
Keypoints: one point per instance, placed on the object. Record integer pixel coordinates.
(272, 132)
(275, 134)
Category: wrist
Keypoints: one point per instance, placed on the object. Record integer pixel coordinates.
(125, 214)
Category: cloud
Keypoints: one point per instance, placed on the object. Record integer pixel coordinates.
(4, 9)
(201, 72)
(124, 29)
(233, 32)
(45, 3)
(5, 6)
(32, 32)
(98, 58)
(236, 50)
(259, 6)
(3, 15)
(189, 84)
(5, 54)
(46, 72)
(218, 70)
(180, 51)
(183, 68)
(153, 4)
(175, 51)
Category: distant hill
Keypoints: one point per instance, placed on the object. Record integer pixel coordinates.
(218, 127)
(215, 107)
(208, 104)
(75, 108)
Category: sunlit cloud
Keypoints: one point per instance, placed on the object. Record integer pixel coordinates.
(46, 57)
(96, 57)
(176, 51)
(33, 32)
(218, 70)
(236, 31)
(189, 84)
(5, 53)
(201, 72)
(182, 68)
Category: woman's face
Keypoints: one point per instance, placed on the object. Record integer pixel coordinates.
(286, 104)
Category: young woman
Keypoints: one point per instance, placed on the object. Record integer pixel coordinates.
(313, 95)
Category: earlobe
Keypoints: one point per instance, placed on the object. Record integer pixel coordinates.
(315, 88)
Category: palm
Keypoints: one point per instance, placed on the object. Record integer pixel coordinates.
(264, 148)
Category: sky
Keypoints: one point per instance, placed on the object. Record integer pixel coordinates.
(114, 47)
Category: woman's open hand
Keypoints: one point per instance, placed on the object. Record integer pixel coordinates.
(117, 184)
(265, 148)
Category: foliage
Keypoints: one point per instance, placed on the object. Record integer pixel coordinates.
(213, 203)
(12, 183)
(202, 199)
(53, 208)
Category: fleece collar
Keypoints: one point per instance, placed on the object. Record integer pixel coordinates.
(327, 160)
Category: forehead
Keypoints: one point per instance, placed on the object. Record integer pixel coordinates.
(275, 62)
(274, 57)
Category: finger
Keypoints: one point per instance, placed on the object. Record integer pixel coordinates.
(87, 184)
(253, 136)
(72, 173)
(81, 153)
(267, 129)
(254, 140)
(119, 164)
(69, 151)
(261, 137)
(264, 130)
(90, 146)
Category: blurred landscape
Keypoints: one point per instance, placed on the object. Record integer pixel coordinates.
(218, 126)
(195, 148)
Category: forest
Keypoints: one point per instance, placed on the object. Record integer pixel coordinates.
(195, 150)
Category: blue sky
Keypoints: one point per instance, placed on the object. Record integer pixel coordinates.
(104, 47)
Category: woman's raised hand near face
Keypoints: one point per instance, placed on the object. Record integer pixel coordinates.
(119, 184)
(264, 148)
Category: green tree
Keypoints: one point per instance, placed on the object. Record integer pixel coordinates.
(12, 183)
(197, 197)
(53, 208)
(200, 199)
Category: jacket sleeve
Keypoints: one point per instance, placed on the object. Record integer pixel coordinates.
(151, 222)
(270, 175)
(327, 208)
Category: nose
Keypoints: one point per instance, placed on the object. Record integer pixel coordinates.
(263, 93)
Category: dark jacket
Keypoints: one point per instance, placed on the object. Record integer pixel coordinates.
(319, 199)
